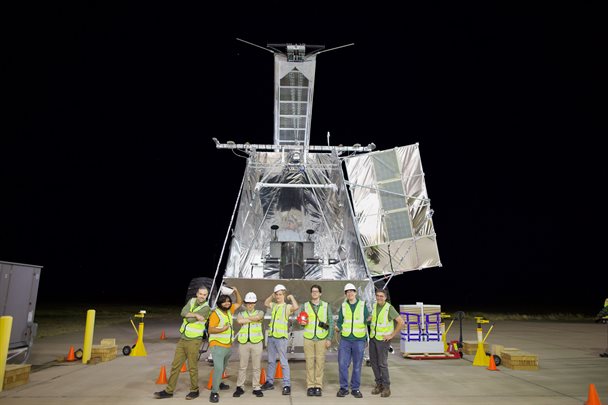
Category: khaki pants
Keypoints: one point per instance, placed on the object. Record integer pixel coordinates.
(185, 350)
(253, 350)
(314, 353)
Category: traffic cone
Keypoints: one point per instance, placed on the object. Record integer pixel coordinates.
(593, 398)
(225, 375)
(279, 372)
(492, 366)
(162, 377)
(71, 356)
(184, 368)
(210, 382)
(263, 376)
(162, 335)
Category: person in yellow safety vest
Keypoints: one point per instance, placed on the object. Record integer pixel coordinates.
(250, 339)
(278, 333)
(353, 318)
(221, 335)
(318, 334)
(382, 330)
(195, 313)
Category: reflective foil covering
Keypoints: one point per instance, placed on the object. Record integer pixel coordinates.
(295, 193)
(392, 210)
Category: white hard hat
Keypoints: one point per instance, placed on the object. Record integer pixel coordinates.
(279, 287)
(250, 298)
(350, 286)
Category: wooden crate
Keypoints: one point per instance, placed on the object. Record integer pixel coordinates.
(103, 353)
(108, 342)
(470, 347)
(519, 360)
(16, 375)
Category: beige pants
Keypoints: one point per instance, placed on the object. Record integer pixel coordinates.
(314, 353)
(253, 350)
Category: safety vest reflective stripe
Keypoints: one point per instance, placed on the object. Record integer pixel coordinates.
(312, 329)
(278, 321)
(251, 331)
(226, 337)
(193, 329)
(380, 325)
(353, 323)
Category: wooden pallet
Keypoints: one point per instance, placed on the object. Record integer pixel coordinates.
(103, 353)
(519, 360)
(430, 356)
(470, 347)
(16, 375)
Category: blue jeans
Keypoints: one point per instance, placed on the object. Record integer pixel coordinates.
(350, 350)
(277, 348)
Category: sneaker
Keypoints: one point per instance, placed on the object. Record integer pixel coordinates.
(238, 392)
(342, 392)
(287, 390)
(267, 386)
(310, 392)
(224, 387)
(192, 395)
(162, 394)
(258, 393)
(357, 394)
(214, 397)
(318, 392)
(386, 392)
(377, 389)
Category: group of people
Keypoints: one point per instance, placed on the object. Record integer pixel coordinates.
(353, 322)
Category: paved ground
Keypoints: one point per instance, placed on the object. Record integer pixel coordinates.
(568, 354)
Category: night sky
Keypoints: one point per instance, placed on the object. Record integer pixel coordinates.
(107, 158)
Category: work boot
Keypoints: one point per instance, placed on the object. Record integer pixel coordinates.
(224, 387)
(377, 389)
(162, 394)
(318, 392)
(310, 392)
(342, 392)
(192, 395)
(356, 393)
(214, 397)
(258, 393)
(287, 390)
(386, 392)
(267, 386)
(238, 392)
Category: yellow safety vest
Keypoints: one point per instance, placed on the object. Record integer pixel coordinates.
(278, 321)
(226, 337)
(312, 329)
(195, 329)
(355, 326)
(251, 332)
(380, 325)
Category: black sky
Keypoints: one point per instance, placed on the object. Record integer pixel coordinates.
(107, 162)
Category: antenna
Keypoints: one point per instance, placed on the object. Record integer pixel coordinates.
(331, 49)
(256, 45)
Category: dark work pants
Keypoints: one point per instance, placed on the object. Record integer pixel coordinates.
(378, 356)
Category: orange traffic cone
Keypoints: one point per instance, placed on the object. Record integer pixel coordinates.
(162, 377)
(184, 368)
(71, 356)
(210, 382)
(263, 376)
(593, 398)
(225, 375)
(162, 335)
(492, 366)
(279, 372)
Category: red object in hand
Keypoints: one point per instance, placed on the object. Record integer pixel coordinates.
(303, 318)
